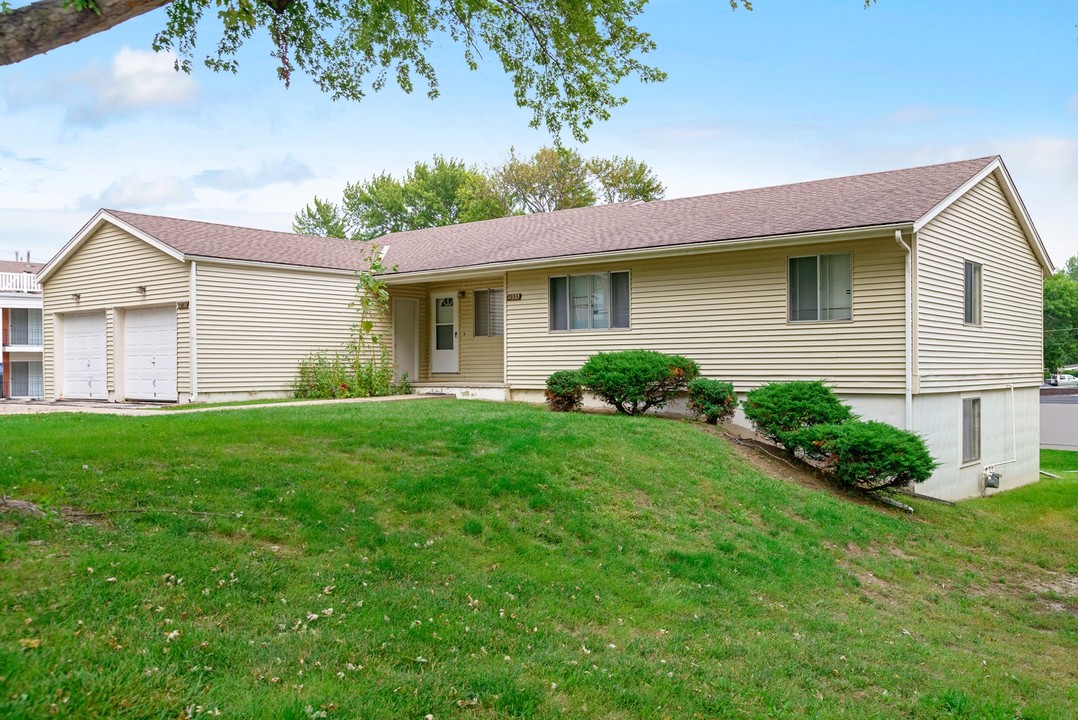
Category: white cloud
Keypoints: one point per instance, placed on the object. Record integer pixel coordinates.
(134, 193)
(286, 170)
(135, 81)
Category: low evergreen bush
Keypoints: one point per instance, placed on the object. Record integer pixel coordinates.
(778, 410)
(713, 400)
(634, 381)
(564, 392)
(871, 456)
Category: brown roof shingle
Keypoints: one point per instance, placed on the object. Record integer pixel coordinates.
(10, 266)
(231, 242)
(857, 201)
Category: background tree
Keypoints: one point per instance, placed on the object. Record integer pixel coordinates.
(551, 179)
(563, 58)
(447, 192)
(560, 178)
(1061, 317)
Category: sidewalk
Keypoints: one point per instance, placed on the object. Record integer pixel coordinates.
(34, 407)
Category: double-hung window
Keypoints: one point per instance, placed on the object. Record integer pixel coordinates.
(489, 313)
(972, 293)
(596, 301)
(971, 429)
(820, 288)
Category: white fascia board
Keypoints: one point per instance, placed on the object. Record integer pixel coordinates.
(208, 260)
(29, 301)
(850, 234)
(1013, 199)
(101, 218)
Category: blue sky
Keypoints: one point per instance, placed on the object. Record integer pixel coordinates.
(791, 91)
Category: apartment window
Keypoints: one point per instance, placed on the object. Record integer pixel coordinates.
(489, 313)
(972, 293)
(971, 429)
(597, 301)
(820, 288)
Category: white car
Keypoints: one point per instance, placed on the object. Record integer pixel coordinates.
(1062, 380)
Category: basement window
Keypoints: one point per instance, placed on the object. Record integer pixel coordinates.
(971, 430)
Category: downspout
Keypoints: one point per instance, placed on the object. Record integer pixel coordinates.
(192, 322)
(908, 286)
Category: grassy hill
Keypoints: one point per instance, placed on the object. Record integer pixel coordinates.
(475, 560)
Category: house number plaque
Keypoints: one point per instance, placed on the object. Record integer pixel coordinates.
(512, 296)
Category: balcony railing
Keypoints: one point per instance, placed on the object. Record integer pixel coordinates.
(19, 282)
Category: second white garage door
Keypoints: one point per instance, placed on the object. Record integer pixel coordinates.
(150, 354)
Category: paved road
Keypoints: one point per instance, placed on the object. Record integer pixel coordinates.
(1059, 422)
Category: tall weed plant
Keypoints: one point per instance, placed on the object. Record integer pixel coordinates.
(365, 367)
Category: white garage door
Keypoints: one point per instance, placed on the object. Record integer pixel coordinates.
(150, 354)
(84, 357)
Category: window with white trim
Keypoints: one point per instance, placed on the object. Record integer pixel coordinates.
(596, 301)
(972, 293)
(971, 429)
(820, 288)
(489, 313)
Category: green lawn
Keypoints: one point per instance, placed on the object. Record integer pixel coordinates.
(481, 560)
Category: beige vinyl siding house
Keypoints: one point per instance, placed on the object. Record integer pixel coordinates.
(713, 278)
(915, 294)
(144, 308)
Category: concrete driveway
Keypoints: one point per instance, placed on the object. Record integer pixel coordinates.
(1059, 422)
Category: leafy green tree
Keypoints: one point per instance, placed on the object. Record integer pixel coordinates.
(560, 178)
(445, 192)
(620, 179)
(564, 58)
(551, 179)
(1061, 317)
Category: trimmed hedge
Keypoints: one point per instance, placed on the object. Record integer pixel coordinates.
(712, 400)
(871, 456)
(634, 381)
(778, 410)
(563, 391)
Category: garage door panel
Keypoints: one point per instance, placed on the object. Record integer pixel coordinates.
(84, 357)
(150, 354)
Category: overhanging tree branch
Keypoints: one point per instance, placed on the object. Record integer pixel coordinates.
(49, 24)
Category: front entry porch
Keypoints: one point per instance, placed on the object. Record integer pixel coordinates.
(449, 337)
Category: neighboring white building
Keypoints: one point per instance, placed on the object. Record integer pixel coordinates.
(22, 340)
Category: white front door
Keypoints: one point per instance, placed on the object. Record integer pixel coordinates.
(443, 354)
(406, 338)
(84, 357)
(150, 354)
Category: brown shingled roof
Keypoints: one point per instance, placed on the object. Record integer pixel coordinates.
(10, 266)
(858, 201)
(230, 242)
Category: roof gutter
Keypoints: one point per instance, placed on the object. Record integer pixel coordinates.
(845, 235)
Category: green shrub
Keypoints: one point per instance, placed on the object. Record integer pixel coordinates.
(563, 391)
(712, 400)
(347, 375)
(633, 381)
(871, 456)
(777, 410)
